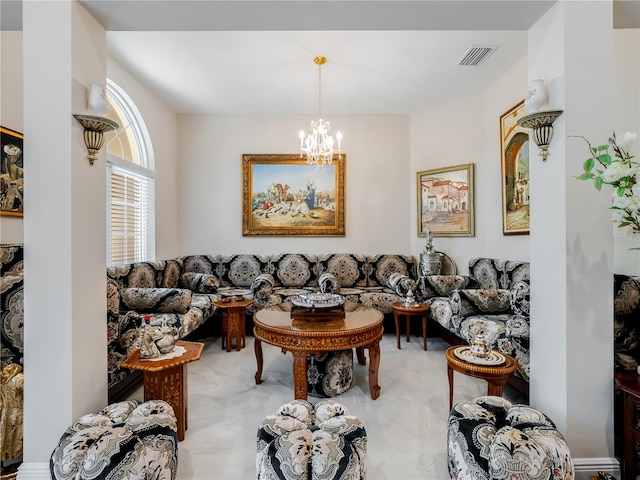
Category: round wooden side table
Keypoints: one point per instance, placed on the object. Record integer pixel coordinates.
(419, 309)
(495, 375)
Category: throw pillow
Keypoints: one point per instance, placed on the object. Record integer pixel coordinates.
(329, 283)
(200, 282)
(156, 300)
(262, 286)
(401, 284)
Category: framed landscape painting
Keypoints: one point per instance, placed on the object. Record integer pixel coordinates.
(11, 173)
(283, 195)
(445, 202)
(514, 160)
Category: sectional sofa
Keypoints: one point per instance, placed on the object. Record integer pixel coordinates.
(493, 300)
(180, 292)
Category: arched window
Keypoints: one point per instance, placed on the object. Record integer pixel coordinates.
(130, 183)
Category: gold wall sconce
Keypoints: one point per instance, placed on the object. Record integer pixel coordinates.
(542, 125)
(94, 130)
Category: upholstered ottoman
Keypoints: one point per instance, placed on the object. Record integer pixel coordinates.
(489, 438)
(302, 441)
(125, 441)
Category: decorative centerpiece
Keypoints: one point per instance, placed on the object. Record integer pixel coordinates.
(430, 260)
(479, 346)
(409, 300)
(317, 306)
(479, 352)
(156, 341)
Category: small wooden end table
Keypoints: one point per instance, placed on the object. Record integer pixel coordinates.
(167, 379)
(496, 376)
(419, 309)
(233, 321)
(628, 383)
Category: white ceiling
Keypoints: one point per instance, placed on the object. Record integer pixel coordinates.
(256, 56)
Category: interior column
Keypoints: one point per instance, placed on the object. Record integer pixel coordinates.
(64, 229)
(571, 48)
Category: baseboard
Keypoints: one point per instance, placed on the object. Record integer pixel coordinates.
(34, 471)
(586, 468)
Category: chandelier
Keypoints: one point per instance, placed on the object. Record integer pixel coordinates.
(319, 143)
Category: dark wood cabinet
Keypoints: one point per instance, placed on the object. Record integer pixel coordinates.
(627, 421)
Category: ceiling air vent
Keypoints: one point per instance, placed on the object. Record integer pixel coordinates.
(476, 55)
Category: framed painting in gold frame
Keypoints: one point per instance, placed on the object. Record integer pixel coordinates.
(514, 163)
(11, 173)
(283, 195)
(445, 201)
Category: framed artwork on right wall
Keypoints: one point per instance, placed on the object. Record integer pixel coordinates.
(514, 159)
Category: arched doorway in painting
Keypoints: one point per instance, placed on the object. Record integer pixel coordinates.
(516, 182)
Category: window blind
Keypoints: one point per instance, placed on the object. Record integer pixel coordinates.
(131, 215)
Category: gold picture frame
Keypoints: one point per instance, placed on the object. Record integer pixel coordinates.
(445, 201)
(514, 168)
(283, 195)
(11, 173)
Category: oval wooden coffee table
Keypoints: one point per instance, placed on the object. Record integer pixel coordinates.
(359, 329)
(496, 376)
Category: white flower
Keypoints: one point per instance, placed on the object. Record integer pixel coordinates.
(626, 141)
(615, 172)
(623, 202)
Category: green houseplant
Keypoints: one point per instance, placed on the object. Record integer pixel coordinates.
(621, 172)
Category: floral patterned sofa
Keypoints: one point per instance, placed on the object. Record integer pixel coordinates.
(180, 292)
(12, 308)
(159, 290)
(362, 279)
(11, 352)
(626, 321)
(492, 300)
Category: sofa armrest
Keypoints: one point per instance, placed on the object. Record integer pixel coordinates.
(472, 301)
(156, 300)
(443, 285)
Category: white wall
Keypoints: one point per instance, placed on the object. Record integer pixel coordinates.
(378, 216)
(626, 114)
(467, 130)
(11, 114)
(162, 123)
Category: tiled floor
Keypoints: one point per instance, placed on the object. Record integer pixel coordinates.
(406, 426)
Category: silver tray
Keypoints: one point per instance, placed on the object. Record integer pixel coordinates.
(318, 300)
(493, 359)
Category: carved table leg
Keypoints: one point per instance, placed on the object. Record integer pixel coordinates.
(360, 356)
(397, 319)
(300, 386)
(374, 363)
(257, 347)
(169, 385)
(450, 376)
(424, 330)
(408, 320)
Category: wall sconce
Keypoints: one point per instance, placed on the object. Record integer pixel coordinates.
(94, 130)
(542, 125)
